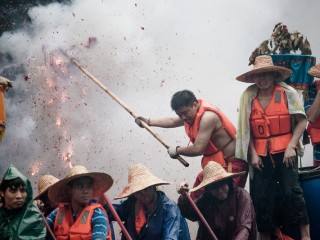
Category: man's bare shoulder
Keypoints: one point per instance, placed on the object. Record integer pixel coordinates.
(211, 118)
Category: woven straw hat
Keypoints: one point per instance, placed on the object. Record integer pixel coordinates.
(139, 178)
(264, 64)
(315, 71)
(59, 192)
(44, 183)
(214, 172)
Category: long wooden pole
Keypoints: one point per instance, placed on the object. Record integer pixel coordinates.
(148, 128)
(48, 227)
(117, 218)
(204, 221)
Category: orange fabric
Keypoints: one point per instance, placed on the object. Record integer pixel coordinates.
(271, 128)
(65, 228)
(281, 236)
(2, 113)
(140, 219)
(314, 128)
(212, 153)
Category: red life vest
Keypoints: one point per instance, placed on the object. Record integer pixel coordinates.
(271, 129)
(65, 228)
(2, 113)
(314, 128)
(212, 153)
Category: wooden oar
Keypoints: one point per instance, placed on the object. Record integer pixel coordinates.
(204, 221)
(116, 217)
(94, 79)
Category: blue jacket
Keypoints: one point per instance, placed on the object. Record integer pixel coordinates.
(165, 223)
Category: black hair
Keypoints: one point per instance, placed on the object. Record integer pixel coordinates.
(13, 183)
(184, 98)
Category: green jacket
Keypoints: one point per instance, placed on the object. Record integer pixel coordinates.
(26, 223)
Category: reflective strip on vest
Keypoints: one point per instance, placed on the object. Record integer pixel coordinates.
(314, 128)
(271, 129)
(65, 228)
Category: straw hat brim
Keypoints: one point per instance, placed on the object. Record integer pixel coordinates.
(208, 181)
(284, 73)
(59, 192)
(41, 193)
(315, 71)
(133, 188)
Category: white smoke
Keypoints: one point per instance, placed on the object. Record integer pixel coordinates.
(144, 52)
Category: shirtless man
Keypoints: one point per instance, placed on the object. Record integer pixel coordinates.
(210, 131)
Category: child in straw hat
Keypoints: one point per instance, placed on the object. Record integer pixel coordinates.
(227, 208)
(77, 216)
(312, 108)
(42, 199)
(148, 213)
(271, 122)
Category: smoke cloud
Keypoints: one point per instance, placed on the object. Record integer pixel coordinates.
(143, 51)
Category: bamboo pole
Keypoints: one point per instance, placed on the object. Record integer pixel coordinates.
(148, 128)
(117, 218)
(204, 221)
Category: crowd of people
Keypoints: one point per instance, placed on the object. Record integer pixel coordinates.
(271, 121)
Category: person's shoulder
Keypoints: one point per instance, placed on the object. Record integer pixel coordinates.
(242, 193)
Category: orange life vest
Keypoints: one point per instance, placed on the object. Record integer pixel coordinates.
(65, 228)
(271, 129)
(2, 113)
(314, 128)
(212, 153)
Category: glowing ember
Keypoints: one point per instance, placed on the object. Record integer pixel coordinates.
(35, 168)
(66, 157)
(64, 97)
(58, 122)
(49, 82)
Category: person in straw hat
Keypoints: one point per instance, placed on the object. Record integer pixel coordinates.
(42, 199)
(20, 218)
(227, 208)
(271, 122)
(210, 131)
(77, 216)
(5, 84)
(312, 108)
(147, 212)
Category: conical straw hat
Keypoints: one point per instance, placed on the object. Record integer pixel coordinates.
(315, 71)
(139, 178)
(264, 64)
(44, 183)
(214, 172)
(59, 192)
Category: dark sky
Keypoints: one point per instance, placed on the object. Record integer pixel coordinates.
(14, 13)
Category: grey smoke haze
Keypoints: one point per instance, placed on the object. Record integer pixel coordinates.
(145, 51)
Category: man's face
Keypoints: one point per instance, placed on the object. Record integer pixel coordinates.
(14, 197)
(146, 195)
(264, 80)
(220, 192)
(188, 114)
(81, 190)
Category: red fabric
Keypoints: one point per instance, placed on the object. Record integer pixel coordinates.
(314, 128)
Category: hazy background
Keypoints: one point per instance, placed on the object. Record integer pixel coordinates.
(143, 51)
